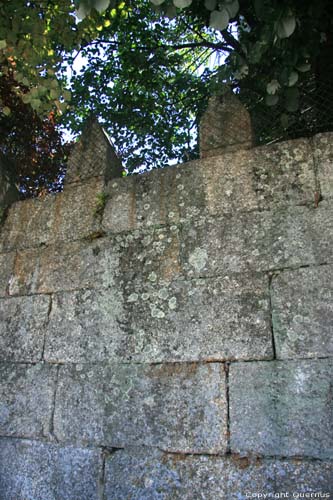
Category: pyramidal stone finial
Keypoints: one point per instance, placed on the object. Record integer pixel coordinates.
(225, 126)
(93, 155)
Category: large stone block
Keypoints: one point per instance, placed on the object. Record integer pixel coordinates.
(323, 156)
(72, 215)
(64, 267)
(201, 319)
(259, 241)
(150, 474)
(6, 268)
(156, 320)
(302, 312)
(26, 399)
(262, 178)
(281, 408)
(22, 327)
(77, 211)
(29, 223)
(179, 407)
(159, 197)
(87, 325)
(31, 470)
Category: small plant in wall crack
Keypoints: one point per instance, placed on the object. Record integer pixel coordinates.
(101, 199)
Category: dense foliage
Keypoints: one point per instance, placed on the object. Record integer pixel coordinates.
(147, 67)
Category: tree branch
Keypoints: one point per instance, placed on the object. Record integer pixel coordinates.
(189, 45)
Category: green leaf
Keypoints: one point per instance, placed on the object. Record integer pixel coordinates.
(35, 103)
(293, 78)
(101, 5)
(182, 4)
(3, 44)
(272, 87)
(67, 95)
(284, 120)
(171, 12)
(83, 11)
(259, 7)
(54, 94)
(232, 8)
(157, 2)
(271, 100)
(292, 99)
(6, 111)
(303, 68)
(286, 27)
(219, 19)
(210, 4)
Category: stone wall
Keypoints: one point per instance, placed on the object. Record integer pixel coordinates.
(169, 335)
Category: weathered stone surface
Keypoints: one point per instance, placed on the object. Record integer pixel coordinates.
(64, 267)
(281, 408)
(29, 223)
(71, 215)
(6, 268)
(150, 474)
(323, 156)
(179, 407)
(26, 398)
(77, 211)
(225, 125)
(36, 471)
(155, 321)
(302, 312)
(282, 174)
(160, 197)
(93, 155)
(203, 319)
(259, 241)
(8, 190)
(87, 325)
(263, 178)
(22, 327)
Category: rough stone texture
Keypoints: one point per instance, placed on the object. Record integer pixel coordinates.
(262, 178)
(282, 174)
(77, 212)
(138, 474)
(204, 319)
(157, 321)
(8, 190)
(29, 223)
(258, 241)
(281, 408)
(178, 407)
(87, 325)
(225, 125)
(6, 267)
(69, 216)
(93, 155)
(64, 267)
(26, 398)
(38, 471)
(164, 329)
(323, 155)
(22, 327)
(302, 313)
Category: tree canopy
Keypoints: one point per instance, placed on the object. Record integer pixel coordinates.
(148, 67)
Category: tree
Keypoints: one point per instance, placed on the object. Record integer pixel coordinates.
(149, 66)
(33, 143)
